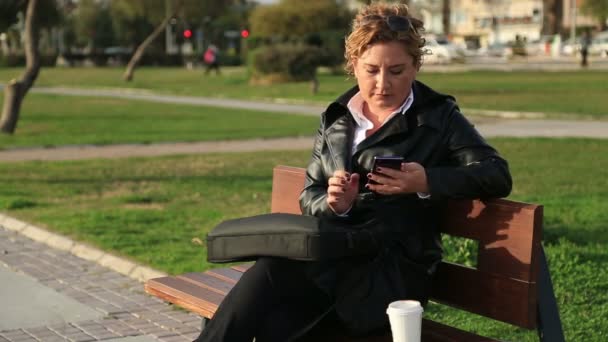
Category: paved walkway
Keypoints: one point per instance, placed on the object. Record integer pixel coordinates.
(51, 295)
(145, 95)
(150, 150)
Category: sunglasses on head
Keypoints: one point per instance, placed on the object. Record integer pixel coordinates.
(396, 23)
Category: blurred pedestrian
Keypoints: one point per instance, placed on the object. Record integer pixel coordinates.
(210, 57)
(585, 43)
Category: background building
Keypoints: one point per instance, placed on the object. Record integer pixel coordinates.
(480, 23)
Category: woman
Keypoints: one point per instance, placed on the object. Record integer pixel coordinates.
(388, 113)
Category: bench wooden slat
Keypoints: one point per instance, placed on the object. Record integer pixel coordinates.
(287, 183)
(508, 300)
(208, 281)
(242, 267)
(437, 332)
(185, 294)
(488, 222)
(227, 274)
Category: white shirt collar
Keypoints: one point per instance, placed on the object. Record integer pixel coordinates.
(355, 107)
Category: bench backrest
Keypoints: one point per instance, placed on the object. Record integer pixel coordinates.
(503, 286)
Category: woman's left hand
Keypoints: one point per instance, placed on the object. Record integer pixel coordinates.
(410, 179)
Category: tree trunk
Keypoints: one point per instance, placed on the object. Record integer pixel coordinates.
(314, 85)
(139, 52)
(551, 17)
(16, 90)
(13, 96)
(446, 13)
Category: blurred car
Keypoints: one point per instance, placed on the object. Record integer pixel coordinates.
(439, 54)
(539, 46)
(599, 45)
(117, 55)
(456, 51)
(571, 47)
(118, 50)
(502, 50)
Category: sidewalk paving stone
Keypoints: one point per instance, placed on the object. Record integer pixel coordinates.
(141, 338)
(127, 313)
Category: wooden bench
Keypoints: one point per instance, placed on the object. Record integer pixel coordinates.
(510, 283)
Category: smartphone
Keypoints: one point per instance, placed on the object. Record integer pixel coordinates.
(391, 162)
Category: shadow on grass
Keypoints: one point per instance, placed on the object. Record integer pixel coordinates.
(595, 234)
(577, 246)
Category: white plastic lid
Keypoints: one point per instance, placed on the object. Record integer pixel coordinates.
(404, 307)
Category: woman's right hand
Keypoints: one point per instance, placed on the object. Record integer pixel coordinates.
(341, 191)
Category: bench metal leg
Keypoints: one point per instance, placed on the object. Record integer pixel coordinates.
(204, 323)
(549, 324)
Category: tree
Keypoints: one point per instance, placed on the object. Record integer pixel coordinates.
(552, 17)
(162, 12)
(293, 18)
(131, 25)
(133, 20)
(157, 11)
(312, 32)
(15, 90)
(93, 24)
(597, 9)
(446, 13)
(8, 13)
(367, 2)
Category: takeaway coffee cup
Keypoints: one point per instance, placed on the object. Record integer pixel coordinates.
(406, 320)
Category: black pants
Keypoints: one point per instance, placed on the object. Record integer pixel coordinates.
(584, 55)
(272, 301)
(213, 65)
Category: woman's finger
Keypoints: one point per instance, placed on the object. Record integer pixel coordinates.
(392, 173)
(336, 181)
(335, 190)
(384, 189)
(380, 179)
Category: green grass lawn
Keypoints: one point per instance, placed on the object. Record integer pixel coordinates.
(154, 210)
(50, 120)
(573, 92)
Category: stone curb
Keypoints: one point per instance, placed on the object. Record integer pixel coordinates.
(131, 269)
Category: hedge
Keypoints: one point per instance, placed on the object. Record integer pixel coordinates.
(285, 62)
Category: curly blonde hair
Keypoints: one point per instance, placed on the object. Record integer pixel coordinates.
(365, 33)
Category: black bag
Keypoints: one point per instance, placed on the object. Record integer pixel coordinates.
(290, 236)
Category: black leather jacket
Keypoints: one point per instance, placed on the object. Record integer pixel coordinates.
(459, 163)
